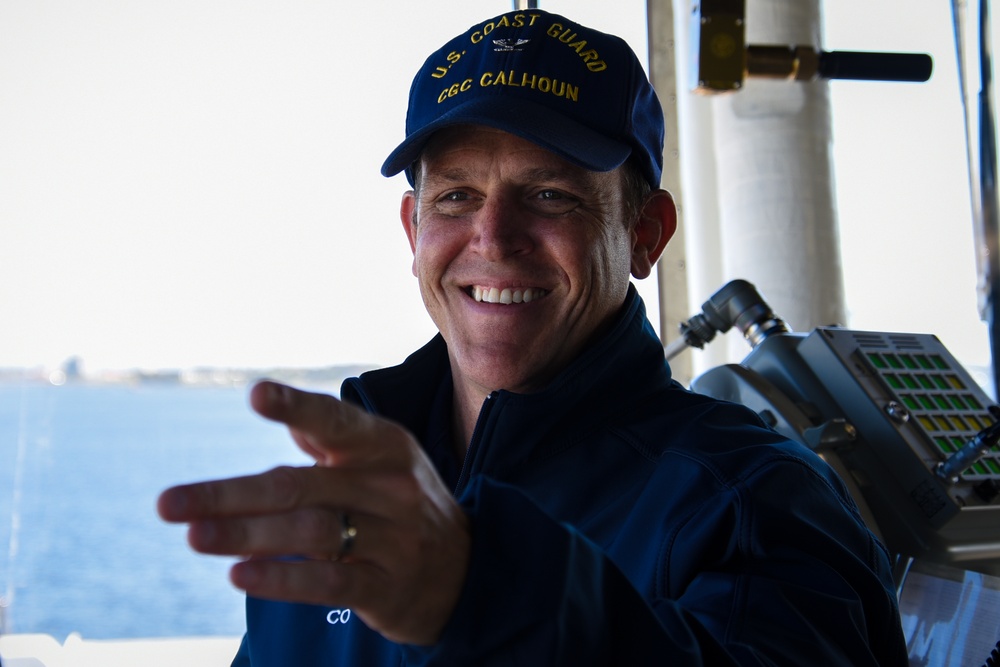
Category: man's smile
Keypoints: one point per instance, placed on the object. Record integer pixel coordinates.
(506, 295)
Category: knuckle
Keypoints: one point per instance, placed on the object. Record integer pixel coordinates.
(339, 416)
(407, 488)
(399, 449)
(400, 487)
(315, 527)
(211, 497)
(284, 486)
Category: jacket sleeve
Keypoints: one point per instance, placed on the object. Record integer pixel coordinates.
(539, 592)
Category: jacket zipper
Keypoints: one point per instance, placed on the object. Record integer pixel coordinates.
(474, 444)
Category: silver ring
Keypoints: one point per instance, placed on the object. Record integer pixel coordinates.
(348, 533)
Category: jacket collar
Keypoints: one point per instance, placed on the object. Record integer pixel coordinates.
(603, 379)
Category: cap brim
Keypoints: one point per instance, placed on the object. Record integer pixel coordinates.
(538, 124)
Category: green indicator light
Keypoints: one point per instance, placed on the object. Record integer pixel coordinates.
(925, 382)
(993, 466)
(926, 402)
(924, 362)
(958, 402)
(944, 445)
(980, 468)
(908, 361)
(893, 381)
(939, 362)
(894, 361)
(910, 382)
(911, 403)
(942, 402)
(877, 360)
(973, 403)
(939, 381)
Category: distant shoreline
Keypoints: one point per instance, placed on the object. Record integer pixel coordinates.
(198, 376)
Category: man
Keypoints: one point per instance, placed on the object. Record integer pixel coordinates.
(531, 487)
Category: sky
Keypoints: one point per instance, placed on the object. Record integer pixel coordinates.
(196, 183)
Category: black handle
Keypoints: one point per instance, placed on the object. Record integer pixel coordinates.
(872, 66)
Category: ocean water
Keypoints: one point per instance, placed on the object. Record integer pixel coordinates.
(81, 546)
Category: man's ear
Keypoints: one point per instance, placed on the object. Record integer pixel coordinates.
(408, 216)
(657, 223)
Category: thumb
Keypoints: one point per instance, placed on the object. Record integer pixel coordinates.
(284, 404)
(332, 432)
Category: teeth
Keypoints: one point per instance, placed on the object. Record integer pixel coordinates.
(506, 295)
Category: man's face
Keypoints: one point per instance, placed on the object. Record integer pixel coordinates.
(522, 257)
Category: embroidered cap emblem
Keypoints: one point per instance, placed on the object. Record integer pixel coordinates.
(509, 44)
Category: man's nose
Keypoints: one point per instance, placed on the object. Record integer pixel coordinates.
(502, 230)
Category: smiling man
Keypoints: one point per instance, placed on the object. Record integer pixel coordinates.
(531, 487)
(523, 258)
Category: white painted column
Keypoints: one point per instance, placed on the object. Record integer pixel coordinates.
(756, 172)
(776, 194)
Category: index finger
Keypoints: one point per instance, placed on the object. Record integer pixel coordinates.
(276, 490)
(334, 433)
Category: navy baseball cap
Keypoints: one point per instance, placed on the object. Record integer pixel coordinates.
(575, 91)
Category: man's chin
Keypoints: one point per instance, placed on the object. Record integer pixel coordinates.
(506, 369)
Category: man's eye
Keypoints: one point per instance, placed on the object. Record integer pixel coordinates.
(456, 202)
(453, 198)
(554, 202)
